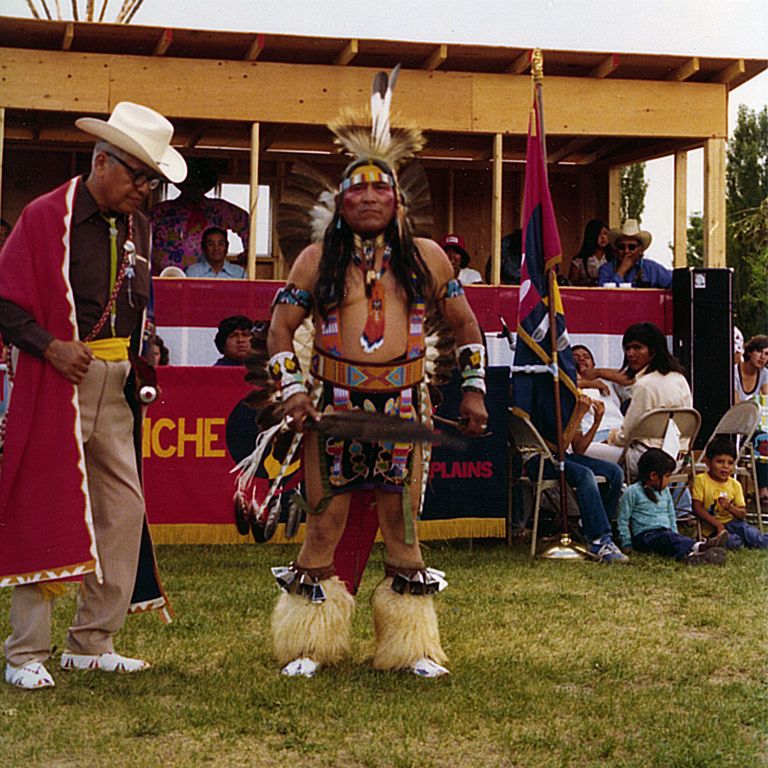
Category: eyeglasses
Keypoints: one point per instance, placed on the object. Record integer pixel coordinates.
(626, 246)
(138, 176)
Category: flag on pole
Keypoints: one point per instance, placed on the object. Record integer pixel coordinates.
(533, 370)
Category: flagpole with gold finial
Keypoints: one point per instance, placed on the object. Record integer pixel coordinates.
(564, 550)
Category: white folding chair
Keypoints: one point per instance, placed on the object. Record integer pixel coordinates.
(524, 437)
(653, 426)
(739, 423)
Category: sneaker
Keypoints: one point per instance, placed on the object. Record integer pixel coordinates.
(29, 676)
(605, 551)
(715, 541)
(104, 662)
(303, 667)
(425, 667)
(713, 556)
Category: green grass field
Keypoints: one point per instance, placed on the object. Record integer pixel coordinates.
(553, 664)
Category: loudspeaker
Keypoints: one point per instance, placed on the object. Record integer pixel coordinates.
(703, 339)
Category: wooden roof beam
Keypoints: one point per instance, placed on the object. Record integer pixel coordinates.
(685, 70)
(163, 43)
(195, 136)
(347, 53)
(520, 65)
(607, 66)
(436, 58)
(69, 34)
(270, 132)
(255, 48)
(731, 72)
(570, 148)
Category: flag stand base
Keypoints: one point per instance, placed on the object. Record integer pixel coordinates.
(565, 550)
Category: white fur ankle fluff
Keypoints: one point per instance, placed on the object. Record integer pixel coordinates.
(319, 631)
(405, 627)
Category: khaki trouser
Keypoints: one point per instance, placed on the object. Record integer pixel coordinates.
(117, 506)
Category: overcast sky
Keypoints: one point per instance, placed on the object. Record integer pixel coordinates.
(730, 28)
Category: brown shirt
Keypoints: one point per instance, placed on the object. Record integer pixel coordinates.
(89, 271)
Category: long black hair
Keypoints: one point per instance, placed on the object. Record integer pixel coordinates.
(589, 243)
(406, 263)
(653, 460)
(651, 336)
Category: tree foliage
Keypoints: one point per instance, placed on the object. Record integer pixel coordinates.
(694, 245)
(747, 207)
(633, 189)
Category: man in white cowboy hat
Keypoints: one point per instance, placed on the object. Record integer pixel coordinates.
(629, 266)
(74, 290)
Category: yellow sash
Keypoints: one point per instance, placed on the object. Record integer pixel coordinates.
(113, 350)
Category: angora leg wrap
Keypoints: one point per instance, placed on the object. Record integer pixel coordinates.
(405, 627)
(319, 631)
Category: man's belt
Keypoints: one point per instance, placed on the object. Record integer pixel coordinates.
(367, 377)
(113, 349)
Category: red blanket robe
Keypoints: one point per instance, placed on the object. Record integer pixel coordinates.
(46, 531)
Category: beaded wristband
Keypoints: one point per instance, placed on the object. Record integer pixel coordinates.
(472, 367)
(286, 372)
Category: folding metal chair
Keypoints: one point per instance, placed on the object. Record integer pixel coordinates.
(653, 426)
(524, 437)
(739, 423)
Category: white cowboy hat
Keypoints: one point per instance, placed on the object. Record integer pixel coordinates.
(142, 133)
(630, 229)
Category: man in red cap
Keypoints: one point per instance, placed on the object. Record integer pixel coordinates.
(455, 248)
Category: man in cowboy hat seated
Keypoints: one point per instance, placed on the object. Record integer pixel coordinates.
(629, 265)
(74, 288)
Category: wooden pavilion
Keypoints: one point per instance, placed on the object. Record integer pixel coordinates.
(261, 101)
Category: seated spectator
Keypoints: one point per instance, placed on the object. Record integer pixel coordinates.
(159, 353)
(595, 251)
(178, 225)
(605, 410)
(214, 262)
(659, 383)
(511, 259)
(5, 230)
(597, 503)
(750, 380)
(718, 499)
(629, 265)
(647, 519)
(233, 340)
(454, 247)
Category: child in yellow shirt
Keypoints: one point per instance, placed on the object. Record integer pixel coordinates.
(718, 498)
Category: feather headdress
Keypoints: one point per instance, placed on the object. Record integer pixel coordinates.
(367, 134)
(309, 199)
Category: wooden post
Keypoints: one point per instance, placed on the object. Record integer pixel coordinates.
(451, 192)
(498, 169)
(714, 203)
(680, 238)
(614, 197)
(254, 199)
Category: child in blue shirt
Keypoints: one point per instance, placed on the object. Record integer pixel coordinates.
(647, 520)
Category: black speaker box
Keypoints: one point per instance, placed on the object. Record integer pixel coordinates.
(703, 339)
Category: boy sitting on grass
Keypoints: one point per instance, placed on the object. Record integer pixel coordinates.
(718, 498)
(647, 517)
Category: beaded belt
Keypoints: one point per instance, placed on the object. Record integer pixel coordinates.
(367, 377)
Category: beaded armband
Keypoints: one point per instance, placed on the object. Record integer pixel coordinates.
(472, 366)
(286, 372)
(453, 289)
(293, 296)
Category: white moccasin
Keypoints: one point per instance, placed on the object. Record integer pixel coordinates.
(104, 662)
(29, 676)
